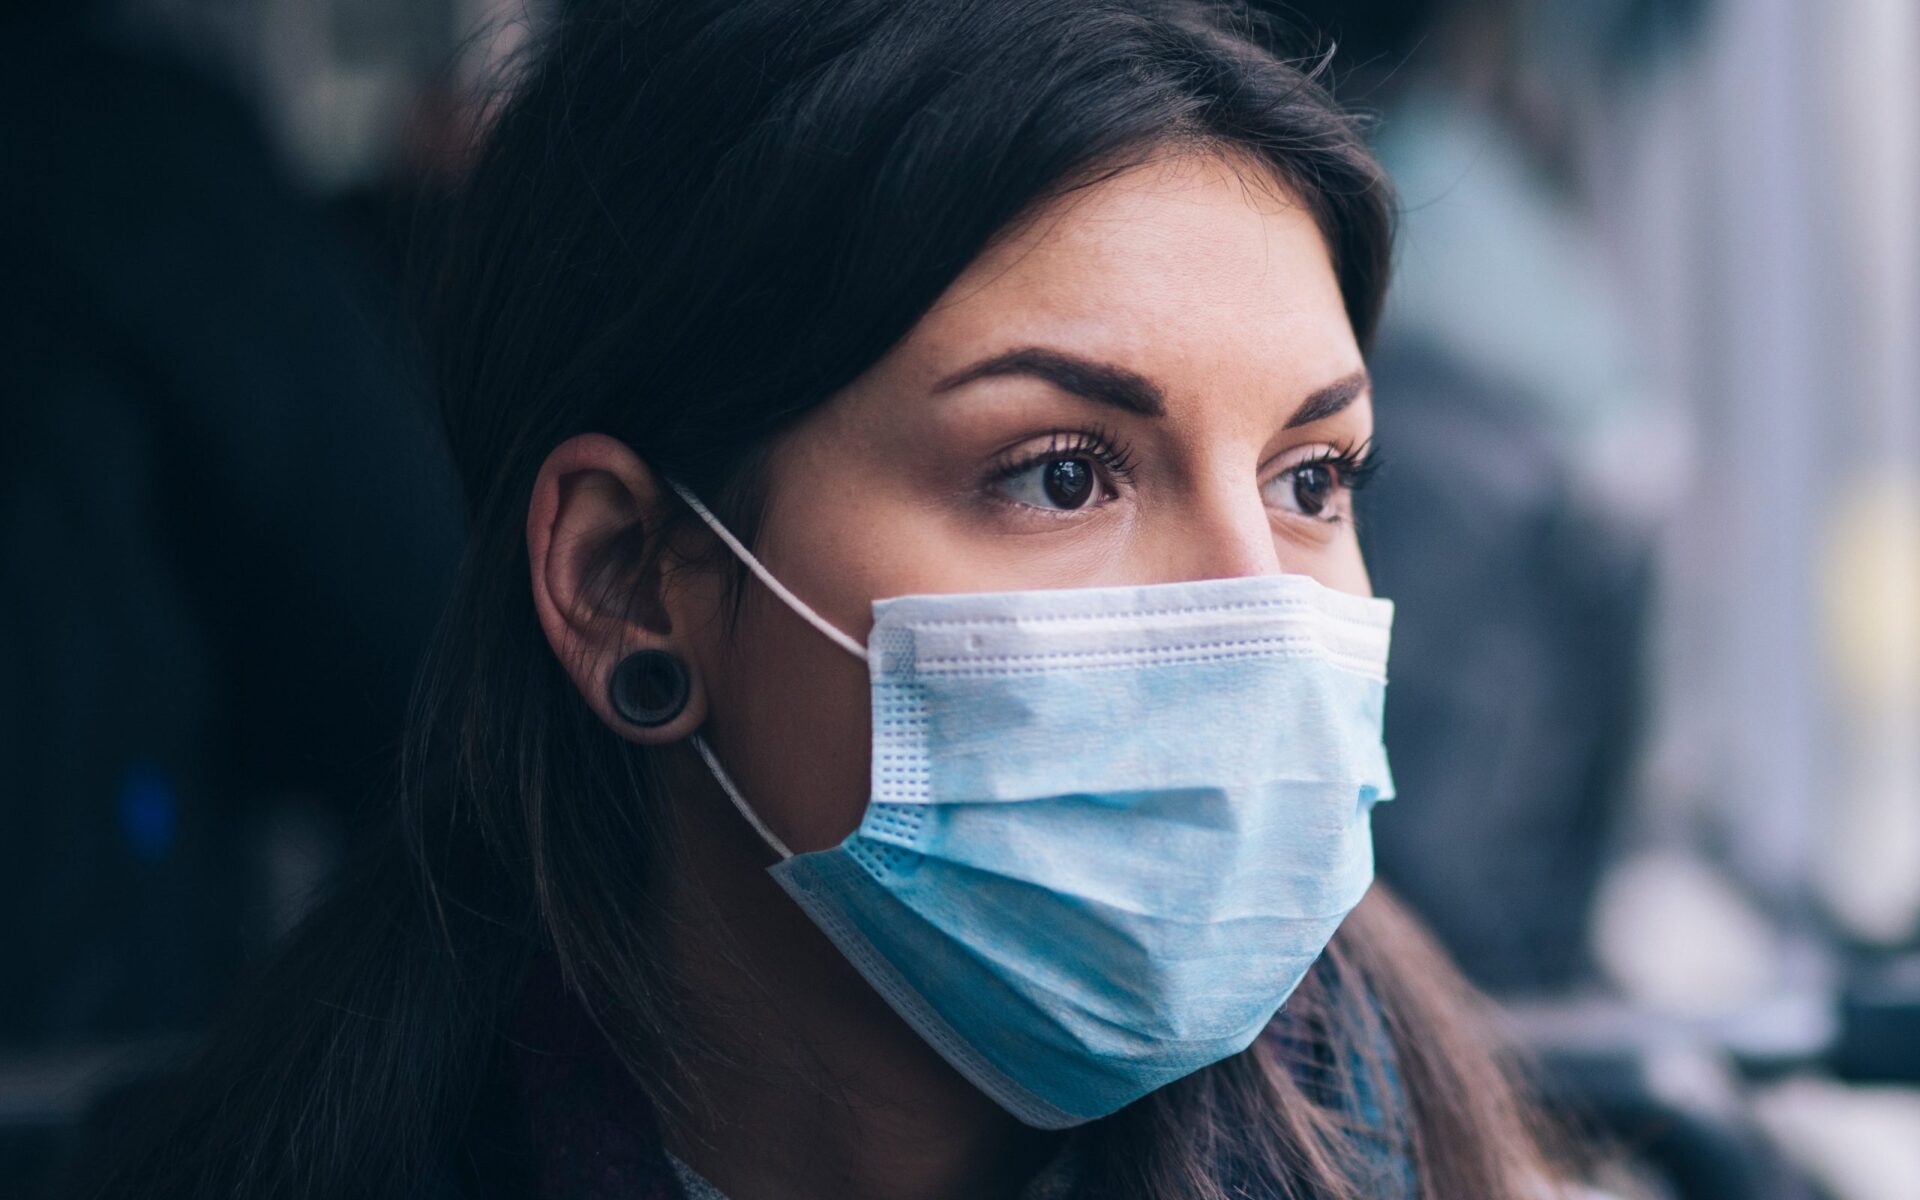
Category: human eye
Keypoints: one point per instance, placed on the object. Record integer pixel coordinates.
(1072, 470)
(1320, 487)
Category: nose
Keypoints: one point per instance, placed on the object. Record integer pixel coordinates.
(1222, 532)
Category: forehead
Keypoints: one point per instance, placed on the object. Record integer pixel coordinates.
(1186, 268)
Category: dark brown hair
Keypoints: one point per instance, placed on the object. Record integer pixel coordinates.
(690, 222)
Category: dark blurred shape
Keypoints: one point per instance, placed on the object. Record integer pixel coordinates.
(384, 216)
(225, 524)
(1516, 678)
(1677, 1108)
(1372, 37)
(1879, 1038)
(1377, 40)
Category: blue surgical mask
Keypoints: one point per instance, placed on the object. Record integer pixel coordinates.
(1109, 828)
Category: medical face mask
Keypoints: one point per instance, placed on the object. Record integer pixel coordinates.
(1108, 830)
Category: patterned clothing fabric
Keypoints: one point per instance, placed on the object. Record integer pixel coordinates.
(692, 1185)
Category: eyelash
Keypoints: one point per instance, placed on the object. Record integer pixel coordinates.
(1092, 442)
(1355, 465)
(1353, 468)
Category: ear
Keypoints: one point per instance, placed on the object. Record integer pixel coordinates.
(594, 496)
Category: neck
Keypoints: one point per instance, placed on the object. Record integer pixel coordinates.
(807, 1083)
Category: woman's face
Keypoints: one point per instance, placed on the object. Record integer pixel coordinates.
(1154, 380)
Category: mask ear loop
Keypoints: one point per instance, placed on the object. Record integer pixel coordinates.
(739, 801)
(765, 576)
(801, 609)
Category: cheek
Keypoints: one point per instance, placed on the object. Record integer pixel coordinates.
(1350, 578)
(1337, 563)
(792, 713)
(1350, 570)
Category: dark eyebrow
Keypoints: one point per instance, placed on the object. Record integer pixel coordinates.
(1331, 399)
(1098, 381)
(1107, 383)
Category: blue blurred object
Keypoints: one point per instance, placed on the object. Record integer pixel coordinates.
(149, 811)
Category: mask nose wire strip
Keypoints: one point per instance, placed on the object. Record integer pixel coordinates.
(765, 576)
(739, 801)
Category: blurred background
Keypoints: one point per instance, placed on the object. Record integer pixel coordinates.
(1649, 390)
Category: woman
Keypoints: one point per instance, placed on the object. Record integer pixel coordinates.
(908, 724)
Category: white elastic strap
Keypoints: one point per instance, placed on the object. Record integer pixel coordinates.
(765, 576)
(739, 801)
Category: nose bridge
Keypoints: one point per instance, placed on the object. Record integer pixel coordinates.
(1225, 532)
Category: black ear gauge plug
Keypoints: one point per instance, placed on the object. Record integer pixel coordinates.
(649, 688)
